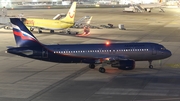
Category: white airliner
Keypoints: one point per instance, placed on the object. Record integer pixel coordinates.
(149, 7)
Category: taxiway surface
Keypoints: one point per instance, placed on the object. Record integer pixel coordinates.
(23, 79)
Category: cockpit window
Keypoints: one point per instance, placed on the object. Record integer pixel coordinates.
(163, 48)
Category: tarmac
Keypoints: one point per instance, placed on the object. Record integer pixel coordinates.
(23, 79)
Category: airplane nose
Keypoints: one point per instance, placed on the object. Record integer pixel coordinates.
(169, 53)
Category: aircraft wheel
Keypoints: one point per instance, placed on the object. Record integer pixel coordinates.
(69, 32)
(51, 31)
(5, 27)
(102, 70)
(150, 66)
(31, 29)
(39, 31)
(92, 66)
(8, 27)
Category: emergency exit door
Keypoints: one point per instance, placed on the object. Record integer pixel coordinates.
(44, 53)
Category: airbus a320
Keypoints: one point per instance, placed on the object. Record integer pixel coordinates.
(119, 55)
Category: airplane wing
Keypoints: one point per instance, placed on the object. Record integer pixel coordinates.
(59, 16)
(2, 26)
(5, 26)
(112, 58)
(43, 28)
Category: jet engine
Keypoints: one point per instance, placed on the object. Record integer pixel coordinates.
(147, 10)
(123, 64)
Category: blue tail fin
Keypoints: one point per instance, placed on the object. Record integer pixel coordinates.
(23, 37)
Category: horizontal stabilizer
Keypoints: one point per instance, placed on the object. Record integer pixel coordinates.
(10, 47)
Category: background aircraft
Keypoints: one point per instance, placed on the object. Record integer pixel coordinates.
(143, 7)
(120, 55)
(51, 24)
(149, 7)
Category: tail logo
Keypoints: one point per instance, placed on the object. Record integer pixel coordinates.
(24, 35)
(71, 14)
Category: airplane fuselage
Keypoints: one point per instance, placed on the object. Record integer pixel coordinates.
(48, 24)
(93, 53)
(150, 6)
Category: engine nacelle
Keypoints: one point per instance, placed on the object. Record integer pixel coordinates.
(124, 64)
(147, 10)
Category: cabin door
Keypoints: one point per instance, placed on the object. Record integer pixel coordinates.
(44, 53)
(154, 51)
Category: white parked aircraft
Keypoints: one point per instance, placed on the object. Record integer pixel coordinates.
(149, 7)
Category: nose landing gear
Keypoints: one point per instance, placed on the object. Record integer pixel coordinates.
(150, 65)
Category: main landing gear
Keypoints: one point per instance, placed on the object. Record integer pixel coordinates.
(150, 65)
(31, 29)
(101, 69)
(92, 66)
(39, 31)
(51, 31)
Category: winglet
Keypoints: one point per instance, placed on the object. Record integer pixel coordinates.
(89, 21)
